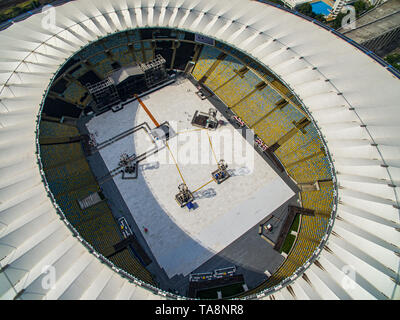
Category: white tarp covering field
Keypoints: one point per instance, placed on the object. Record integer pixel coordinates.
(182, 240)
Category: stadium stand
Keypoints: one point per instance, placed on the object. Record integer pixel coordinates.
(78, 173)
(249, 91)
(123, 260)
(78, 71)
(117, 40)
(206, 59)
(70, 179)
(74, 92)
(256, 96)
(53, 129)
(122, 55)
(104, 67)
(59, 154)
(91, 50)
(260, 101)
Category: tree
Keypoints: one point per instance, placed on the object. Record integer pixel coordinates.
(3, 17)
(394, 60)
(306, 9)
(337, 23)
(278, 2)
(360, 7)
(320, 17)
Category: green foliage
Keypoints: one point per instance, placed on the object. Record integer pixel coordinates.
(337, 23)
(306, 9)
(320, 17)
(394, 60)
(295, 224)
(287, 245)
(278, 2)
(360, 7)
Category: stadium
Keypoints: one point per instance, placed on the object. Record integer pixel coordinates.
(100, 201)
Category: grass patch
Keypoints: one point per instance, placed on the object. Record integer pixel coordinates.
(289, 240)
(287, 245)
(295, 224)
(227, 291)
(18, 9)
(394, 60)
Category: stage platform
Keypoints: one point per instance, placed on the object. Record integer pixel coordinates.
(181, 239)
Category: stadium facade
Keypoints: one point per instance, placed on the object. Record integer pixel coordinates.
(351, 96)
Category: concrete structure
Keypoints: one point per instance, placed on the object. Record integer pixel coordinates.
(352, 98)
(378, 29)
(339, 4)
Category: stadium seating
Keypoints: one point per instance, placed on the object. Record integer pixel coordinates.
(91, 50)
(256, 105)
(244, 86)
(300, 146)
(133, 35)
(234, 90)
(273, 127)
(78, 72)
(115, 41)
(104, 67)
(78, 173)
(148, 55)
(319, 200)
(311, 170)
(123, 260)
(53, 129)
(98, 227)
(70, 180)
(69, 203)
(224, 71)
(74, 93)
(59, 154)
(206, 59)
(122, 55)
(97, 58)
(302, 153)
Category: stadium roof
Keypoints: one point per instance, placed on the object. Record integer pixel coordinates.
(352, 97)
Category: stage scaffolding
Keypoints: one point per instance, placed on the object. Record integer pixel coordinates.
(104, 93)
(127, 81)
(154, 71)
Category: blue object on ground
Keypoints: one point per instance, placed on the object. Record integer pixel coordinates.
(320, 8)
(190, 205)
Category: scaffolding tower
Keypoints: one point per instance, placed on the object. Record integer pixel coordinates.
(154, 71)
(104, 93)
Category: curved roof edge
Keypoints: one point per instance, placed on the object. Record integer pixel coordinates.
(350, 97)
